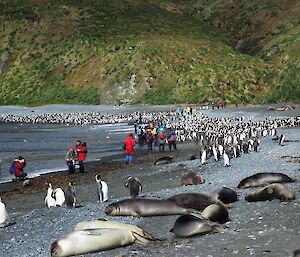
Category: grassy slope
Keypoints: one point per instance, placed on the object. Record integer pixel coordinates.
(74, 51)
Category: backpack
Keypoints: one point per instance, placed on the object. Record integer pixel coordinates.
(161, 135)
(149, 137)
(12, 168)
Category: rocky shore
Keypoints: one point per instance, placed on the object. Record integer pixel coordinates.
(260, 229)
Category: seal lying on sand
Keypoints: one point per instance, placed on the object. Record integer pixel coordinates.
(197, 201)
(216, 213)
(94, 240)
(226, 195)
(191, 225)
(264, 178)
(271, 192)
(103, 223)
(191, 178)
(146, 207)
(164, 160)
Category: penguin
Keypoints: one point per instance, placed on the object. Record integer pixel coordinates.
(59, 196)
(281, 140)
(134, 185)
(226, 159)
(203, 157)
(245, 148)
(221, 149)
(102, 189)
(255, 145)
(49, 200)
(70, 195)
(215, 153)
(3, 214)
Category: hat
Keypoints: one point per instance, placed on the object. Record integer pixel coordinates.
(130, 134)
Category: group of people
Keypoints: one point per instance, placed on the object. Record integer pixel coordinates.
(151, 135)
(76, 156)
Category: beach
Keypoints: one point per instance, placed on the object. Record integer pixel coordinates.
(269, 228)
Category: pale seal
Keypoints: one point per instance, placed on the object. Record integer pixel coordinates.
(271, 192)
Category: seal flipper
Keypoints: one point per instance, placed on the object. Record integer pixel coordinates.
(140, 238)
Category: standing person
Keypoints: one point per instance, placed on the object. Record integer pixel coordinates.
(171, 136)
(161, 141)
(19, 165)
(71, 158)
(81, 151)
(149, 139)
(129, 145)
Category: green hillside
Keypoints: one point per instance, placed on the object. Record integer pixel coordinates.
(84, 51)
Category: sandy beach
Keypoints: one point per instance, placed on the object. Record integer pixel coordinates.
(261, 229)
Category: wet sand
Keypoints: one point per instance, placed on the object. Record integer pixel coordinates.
(262, 229)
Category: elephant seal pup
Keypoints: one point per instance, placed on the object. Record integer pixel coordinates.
(264, 178)
(226, 195)
(146, 207)
(103, 223)
(216, 213)
(93, 240)
(191, 178)
(271, 192)
(191, 225)
(296, 253)
(164, 160)
(197, 201)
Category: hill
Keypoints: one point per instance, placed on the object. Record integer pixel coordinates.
(84, 51)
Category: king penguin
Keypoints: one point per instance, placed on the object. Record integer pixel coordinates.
(59, 196)
(281, 140)
(134, 185)
(71, 195)
(203, 157)
(3, 214)
(226, 159)
(102, 189)
(49, 199)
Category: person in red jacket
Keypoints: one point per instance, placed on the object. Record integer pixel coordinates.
(19, 165)
(129, 145)
(81, 151)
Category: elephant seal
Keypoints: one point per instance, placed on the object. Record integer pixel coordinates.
(264, 178)
(134, 185)
(271, 192)
(296, 253)
(226, 195)
(164, 160)
(103, 223)
(216, 213)
(197, 201)
(93, 240)
(191, 225)
(191, 179)
(146, 207)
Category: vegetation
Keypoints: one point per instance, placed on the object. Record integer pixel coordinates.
(149, 51)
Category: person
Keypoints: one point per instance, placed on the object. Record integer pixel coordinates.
(71, 158)
(129, 145)
(19, 165)
(149, 139)
(81, 151)
(171, 137)
(161, 141)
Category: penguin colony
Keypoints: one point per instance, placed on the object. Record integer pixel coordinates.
(201, 213)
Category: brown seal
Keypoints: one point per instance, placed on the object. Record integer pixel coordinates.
(191, 178)
(271, 192)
